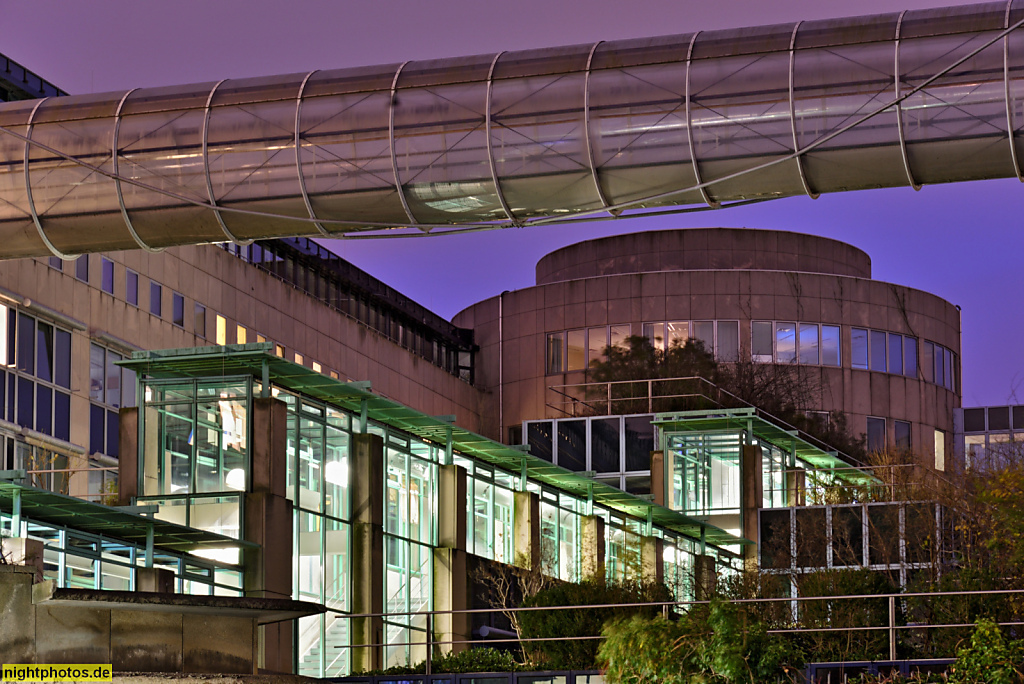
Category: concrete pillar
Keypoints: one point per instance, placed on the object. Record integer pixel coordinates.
(25, 552)
(592, 546)
(451, 592)
(652, 559)
(451, 574)
(452, 491)
(796, 487)
(268, 523)
(128, 461)
(366, 496)
(705, 577)
(18, 626)
(752, 489)
(659, 491)
(526, 530)
(154, 580)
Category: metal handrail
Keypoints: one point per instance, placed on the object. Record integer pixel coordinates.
(892, 628)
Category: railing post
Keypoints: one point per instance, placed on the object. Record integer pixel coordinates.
(892, 628)
(430, 642)
(609, 399)
(650, 396)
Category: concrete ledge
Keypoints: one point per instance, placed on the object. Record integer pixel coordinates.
(263, 610)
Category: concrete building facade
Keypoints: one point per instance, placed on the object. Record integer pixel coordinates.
(886, 355)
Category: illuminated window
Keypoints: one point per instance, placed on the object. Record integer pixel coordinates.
(298, 358)
(222, 330)
(316, 367)
(940, 450)
(240, 335)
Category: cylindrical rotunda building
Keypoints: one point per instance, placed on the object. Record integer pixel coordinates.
(886, 355)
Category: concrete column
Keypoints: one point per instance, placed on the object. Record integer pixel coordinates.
(154, 580)
(451, 592)
(18, 626)
(659, 490)
(451, 575)
(705, 577)
(269, 523)
(752, 489)
(366, 492)
(452, 491)
(526, 529)
(592, 546)
(128, 462)
(652, 559)
(796, 487)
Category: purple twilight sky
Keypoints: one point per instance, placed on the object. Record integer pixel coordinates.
(962, 242)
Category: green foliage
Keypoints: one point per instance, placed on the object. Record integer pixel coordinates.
(784, 391)
(476, 660)
(989, 659)
(567, 651)
(710, 644)
(473, 660)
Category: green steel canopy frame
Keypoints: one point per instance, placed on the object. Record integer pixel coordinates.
(748, 420)
(59, 509)
(259, 361)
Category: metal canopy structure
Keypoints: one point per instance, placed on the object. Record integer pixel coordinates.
(514, 138)
(259, 361)
(751, 421)
(58, 509)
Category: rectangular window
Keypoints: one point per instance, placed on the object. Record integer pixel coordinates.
(82, 268)
(96, 372)
(619, 335)
(597, 340)
(877, 338)
(555, 350)
(809, 344)
(876, 434)
(928, 361)
(785, 342)
(240, 334)
(107, 275)
(26, 344)
(222, 330)
(260, 339)
(199, 320)
(62, 358)
(704, 333)
(576, 350)
(830, 345)
(112, 380)
(902, 430)
(940, 450)
(859, 348)
(298, 358)
(279, 350)
(896, 353)
(57, 263)
(948, 358)
(910, 356)
(156, 294)
(677, 332)
(44, 352)
(178, 309)
(729, 341)
(655, 334)
(131, 287)
(940, 366)
(761, 341)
